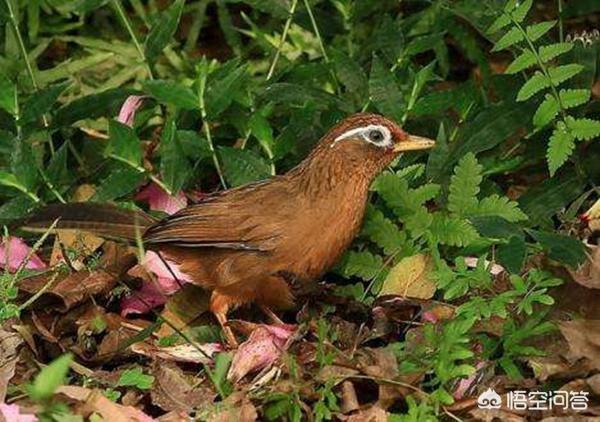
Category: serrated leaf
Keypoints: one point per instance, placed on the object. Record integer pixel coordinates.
(546, 112)
(171, 92)
(560, 74)
(452, 231)
(8, 95)
(565, 249)
(574, 97)
(41, 101)
(536, 83)
(382, 231)
(122, 180)
(500, 206)
(24, 165)
(50, 378)
(135, 378)
(242, 166)
(521, 11)
(560, 147)
(464, 185)
(536, 31)
(123, 144)
(163, 30)
(525, 60)
(222, 89)
(106, 103)
(583, 129)
(512, 254)
(174, 165)
(384, 91)
(510, 38)
(362, 264)
(499, 23)
(351, 74)
(548, 52)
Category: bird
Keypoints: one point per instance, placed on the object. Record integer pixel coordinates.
(257, 242)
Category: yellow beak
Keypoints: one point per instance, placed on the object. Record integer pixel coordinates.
(414, 143)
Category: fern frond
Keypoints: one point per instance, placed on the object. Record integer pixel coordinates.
(500, 206)
(362, 264)
(563, 73)
(583, 129)
(502, 21)
(549, 52)
(464, 185)
(546, 112)
(382, 231)
(510, 38)
(574, 97)
(521, 11)
(452, 231)
(525, 60)
(533, 85)
(536, 31)
(560, 147)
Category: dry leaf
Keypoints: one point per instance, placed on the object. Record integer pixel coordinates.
(171, 390)
(583, 337)
(410, 278)
(588, 274)
(9, 344)
(83, 243)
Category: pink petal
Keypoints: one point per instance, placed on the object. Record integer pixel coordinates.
(159, 200)
(429, 316)
(128, 109)
(12, 413)
(264, 346)
(18, 251)
(154, 293)
(466, 383)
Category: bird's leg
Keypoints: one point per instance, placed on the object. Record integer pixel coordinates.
(219, 306)
(269, 313)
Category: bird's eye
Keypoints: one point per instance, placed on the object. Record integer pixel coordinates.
(375, 136)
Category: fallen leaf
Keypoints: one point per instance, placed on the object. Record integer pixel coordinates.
(410, 278)
(9, 345)
(583, 338)
(14, 251)
(180, 353)
(236, 407)
(372, 414)
(588, 274)
(83, 243)
(264, 346)
(159, 200)
(12, 413)
(172, 391)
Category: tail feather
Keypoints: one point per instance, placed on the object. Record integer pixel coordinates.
(102, 219)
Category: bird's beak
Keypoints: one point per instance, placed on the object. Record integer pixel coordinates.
(414, 143)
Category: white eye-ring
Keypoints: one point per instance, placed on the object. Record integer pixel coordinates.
(374, 134)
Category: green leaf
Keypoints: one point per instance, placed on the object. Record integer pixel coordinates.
(522, 62)
(41, 101)
(384, 91)
(452, 231)
(500, 22)
(123, 144)
(548, 52)
(512, 255)
(583, 129)
(560, 147)
(174, 165)
(163, 30)
(9, 179)
(542, 201)
(170, 92)
(565, 249)
(57, 171)
(50, 378)
(362, 264)
(510, 38)
(8, 95)
(499, 206)
(534, 32)
(521, 11)
(536, 83)
(218, 375)
(223, 87)
(464, 186)
(546, 112)
(574, 97)
(135, 378)
(24, 165)
(120, 182)
(382, 231)
(351, 75)
(106, 103)
(242, 166)
(262, 131)
(560, 74)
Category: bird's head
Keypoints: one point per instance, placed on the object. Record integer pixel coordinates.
(372, 138)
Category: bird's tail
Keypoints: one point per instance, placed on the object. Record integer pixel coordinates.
(102, 219)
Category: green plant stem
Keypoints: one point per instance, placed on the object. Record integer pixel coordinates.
(286, 29)
(40, 292)
(33, 250)
(561, 34)
(206, 129)
(14, 24)
(136, 42)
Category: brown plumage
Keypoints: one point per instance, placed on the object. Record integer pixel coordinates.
(246, 244)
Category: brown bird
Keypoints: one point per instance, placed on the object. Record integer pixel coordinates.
(249, 244)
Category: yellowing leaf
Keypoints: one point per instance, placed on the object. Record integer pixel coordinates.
(411, 277)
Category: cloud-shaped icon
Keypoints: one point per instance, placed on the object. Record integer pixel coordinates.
(489, 399)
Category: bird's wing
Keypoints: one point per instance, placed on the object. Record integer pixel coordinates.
(238, 219)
